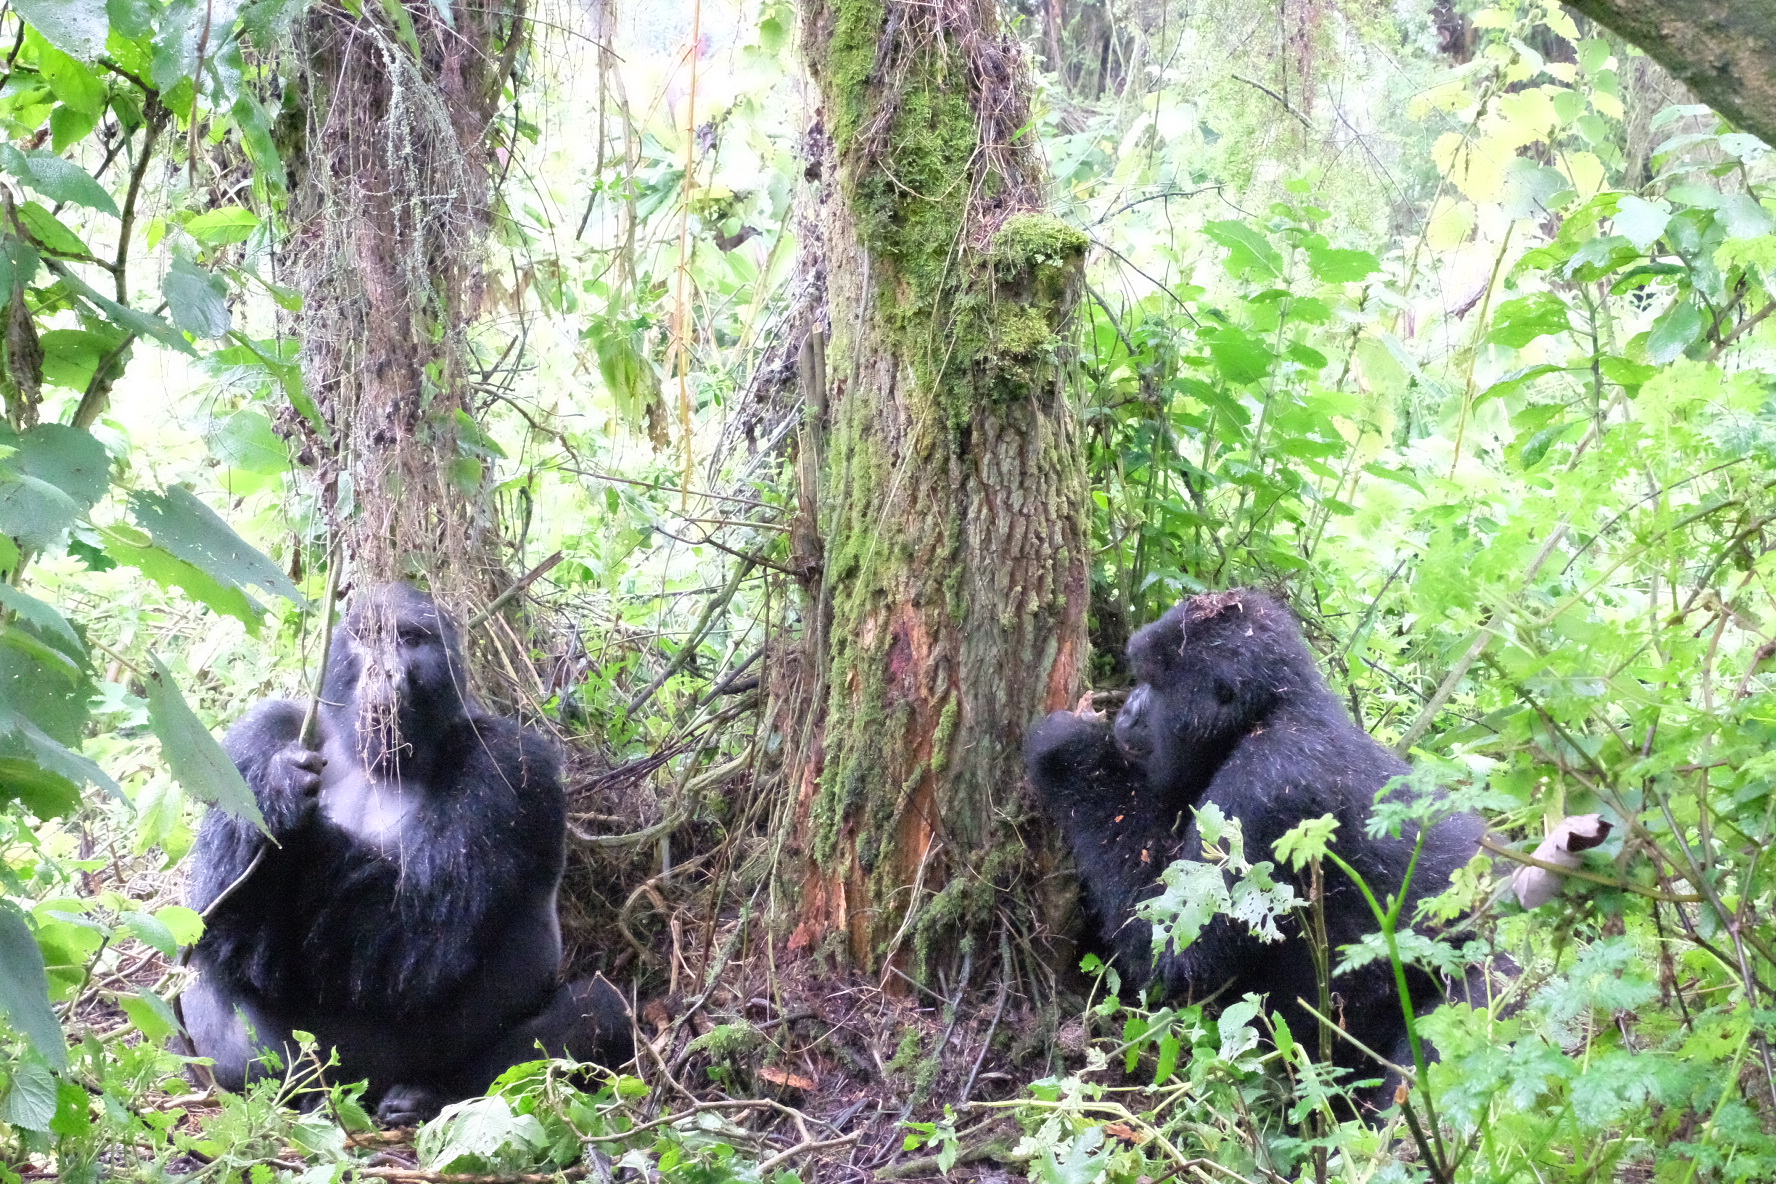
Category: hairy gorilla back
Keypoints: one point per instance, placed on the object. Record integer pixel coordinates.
(406, 915)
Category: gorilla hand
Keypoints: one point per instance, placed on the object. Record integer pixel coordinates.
(291, 785)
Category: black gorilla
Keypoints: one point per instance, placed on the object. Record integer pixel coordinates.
(1229, 707)
(406, 914)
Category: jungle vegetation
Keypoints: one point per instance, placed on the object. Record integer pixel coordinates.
(795, 401)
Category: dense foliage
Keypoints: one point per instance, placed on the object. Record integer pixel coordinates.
(1468, 349)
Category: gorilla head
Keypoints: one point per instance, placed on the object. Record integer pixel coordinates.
(395, 673)
(1206, 673)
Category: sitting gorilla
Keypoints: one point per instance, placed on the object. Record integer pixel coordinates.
(406, 914)
(1229, 707)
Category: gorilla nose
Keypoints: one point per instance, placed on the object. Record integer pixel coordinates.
(1131, 731)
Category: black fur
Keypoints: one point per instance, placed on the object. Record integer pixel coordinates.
(1229, 707)
(406, 914)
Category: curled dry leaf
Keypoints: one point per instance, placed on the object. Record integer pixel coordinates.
(1536, 886)
(786, 1079)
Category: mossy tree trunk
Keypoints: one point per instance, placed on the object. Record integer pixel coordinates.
(944, 531)
(1724, 50)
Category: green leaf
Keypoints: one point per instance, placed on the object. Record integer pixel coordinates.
(481, 1135)
(132, 549)
(43, 793)
(73, 1116)
(77, 26)
(195, 533)
(42, 615)
(196, 300)
(1526, 318)
(1249, 252)
(1673, 333)
(247, 441)
(230, 224)
(151, 1015)
(70, 459)
(396, 11)
(50, 231)
(1640, 221)
(133, 19)
(24, 995)
(151, 932)
(185, 27)
(52, 756)
(33, 511)
(196, 760)
(67, 127)
(184, 924)
(71, 356)
(1333, 266)
(129, 318)
(70, 81)
(255, 133)
(56, 178)
(1240, 356)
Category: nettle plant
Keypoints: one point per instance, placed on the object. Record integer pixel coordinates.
(112, 110)
(1561, 586)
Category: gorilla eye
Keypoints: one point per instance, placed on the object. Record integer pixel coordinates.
(1224, 692)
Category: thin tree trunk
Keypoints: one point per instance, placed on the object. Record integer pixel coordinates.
(1724, 50)
(390, 205)
(943, 483)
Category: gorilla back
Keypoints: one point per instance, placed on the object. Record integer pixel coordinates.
(1229, 707)
(405, 914)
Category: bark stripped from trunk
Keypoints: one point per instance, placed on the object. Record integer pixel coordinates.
(390, 206)
(944, 477)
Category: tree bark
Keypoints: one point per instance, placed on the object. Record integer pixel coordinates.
(1723, 50)
(943, 536)
(390, 206)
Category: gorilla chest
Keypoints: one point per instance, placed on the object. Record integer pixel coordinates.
(372, 810)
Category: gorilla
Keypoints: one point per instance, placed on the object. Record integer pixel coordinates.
(404, 909)
(1229, 707)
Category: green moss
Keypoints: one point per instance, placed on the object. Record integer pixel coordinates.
(730, 1042)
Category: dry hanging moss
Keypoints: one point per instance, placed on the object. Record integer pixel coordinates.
(390, 207)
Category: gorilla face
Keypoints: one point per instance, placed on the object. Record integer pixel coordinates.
(1208, 672)
(395, 673)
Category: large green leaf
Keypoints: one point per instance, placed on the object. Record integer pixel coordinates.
(54, 756)
(44, 616)
(195, 533)
(71, 81)
(132, 319)
(24, 988)
(77, 26)
(192, 754)
(56, 178)
(1249, 252)
(45, 794)
(1336, 266)
(246, 441)
(33, 511)
(197, 300)
(68, 458)
(71, 356)
(1240, 356)
(230, 224)
(1673, 332)
(132, 548)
